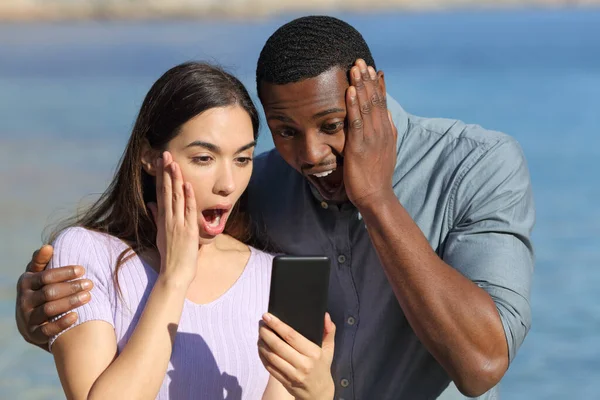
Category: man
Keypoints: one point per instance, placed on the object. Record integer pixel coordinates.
(427, 222)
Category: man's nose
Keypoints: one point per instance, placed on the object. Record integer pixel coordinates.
(313, 149)
(225, 183)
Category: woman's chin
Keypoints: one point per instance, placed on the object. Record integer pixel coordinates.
(205, 239)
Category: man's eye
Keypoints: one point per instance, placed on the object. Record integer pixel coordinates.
(286, 133)
(332, 128)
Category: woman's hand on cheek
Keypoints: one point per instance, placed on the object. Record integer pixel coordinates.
(176, 221)
(301, 366)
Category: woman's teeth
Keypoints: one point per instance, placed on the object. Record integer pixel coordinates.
(213, 217)
(323, 174)
(216, 221)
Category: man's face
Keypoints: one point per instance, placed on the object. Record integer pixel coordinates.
(307, 121)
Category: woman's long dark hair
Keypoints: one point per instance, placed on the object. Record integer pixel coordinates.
(179, 95)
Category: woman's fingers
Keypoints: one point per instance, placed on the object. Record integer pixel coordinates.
(191, 212)
(178, 199)
(274, 363)
(298, 342)
(166, 187)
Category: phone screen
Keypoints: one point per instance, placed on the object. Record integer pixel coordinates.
(298, 296)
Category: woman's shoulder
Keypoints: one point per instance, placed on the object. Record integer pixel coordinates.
(81, 246)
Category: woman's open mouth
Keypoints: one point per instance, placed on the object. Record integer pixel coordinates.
(214, 219)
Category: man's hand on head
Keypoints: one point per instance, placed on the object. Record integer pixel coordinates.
(370, 149)
(44, 294)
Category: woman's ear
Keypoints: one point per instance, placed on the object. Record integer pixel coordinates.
(381, 81)
(149, 156)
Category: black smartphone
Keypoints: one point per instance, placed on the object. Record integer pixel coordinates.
(298, 296)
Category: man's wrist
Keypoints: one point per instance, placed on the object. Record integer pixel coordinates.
(376, 202)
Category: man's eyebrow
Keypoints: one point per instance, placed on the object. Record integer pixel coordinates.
(281, 118)
(326, 112)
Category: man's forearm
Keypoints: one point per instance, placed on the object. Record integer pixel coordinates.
(455, 319)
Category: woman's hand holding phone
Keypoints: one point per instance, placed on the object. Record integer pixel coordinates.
(301, 366)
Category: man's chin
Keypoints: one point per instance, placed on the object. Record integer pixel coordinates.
(333, 196)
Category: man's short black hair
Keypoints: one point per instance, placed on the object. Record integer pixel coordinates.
(308, 46)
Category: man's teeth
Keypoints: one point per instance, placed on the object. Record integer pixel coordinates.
(322, 174)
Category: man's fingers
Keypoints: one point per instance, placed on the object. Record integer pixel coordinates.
(363, 93)
(42, 333)
(55, 275)
(56, 291)
(51, 309)
(355, 120)
(40, 259)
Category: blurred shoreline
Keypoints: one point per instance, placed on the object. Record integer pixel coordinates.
(61, 10)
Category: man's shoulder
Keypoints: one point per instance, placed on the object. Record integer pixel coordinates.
(457, 131)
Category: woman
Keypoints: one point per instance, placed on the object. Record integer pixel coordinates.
(177, 296)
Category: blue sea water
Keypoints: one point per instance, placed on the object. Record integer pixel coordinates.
(69, 94)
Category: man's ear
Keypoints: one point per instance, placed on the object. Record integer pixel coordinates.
(149, 156)
(381, 81)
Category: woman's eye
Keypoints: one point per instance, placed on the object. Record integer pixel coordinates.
(332, 128)
(202, 160)
(243, 160)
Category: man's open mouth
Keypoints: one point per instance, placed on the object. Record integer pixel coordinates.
(329, 181)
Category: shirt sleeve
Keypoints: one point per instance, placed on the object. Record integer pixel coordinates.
(490, 241)
(78, 246)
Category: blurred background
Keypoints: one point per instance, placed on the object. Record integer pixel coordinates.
(73, 75)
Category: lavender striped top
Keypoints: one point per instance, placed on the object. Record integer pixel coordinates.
(215, 355)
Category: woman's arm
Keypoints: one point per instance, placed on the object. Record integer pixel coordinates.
(84, 355)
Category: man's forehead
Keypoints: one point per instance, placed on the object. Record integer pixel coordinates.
(327, 89)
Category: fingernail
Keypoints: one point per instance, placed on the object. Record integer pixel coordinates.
(356, 74)
(352, 93)
(267, 317)
(86, 285)
(78, 270)
(363, 66)
(71, 318)
(372, 73)
(83, 297)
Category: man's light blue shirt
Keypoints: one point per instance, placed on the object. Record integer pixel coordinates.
(469, 191)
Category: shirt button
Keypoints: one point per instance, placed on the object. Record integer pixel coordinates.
(345, 383)
(351, 321)
(341, 258)
(324, 205)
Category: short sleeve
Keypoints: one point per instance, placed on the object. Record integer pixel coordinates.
(490, 242)
(78, 246)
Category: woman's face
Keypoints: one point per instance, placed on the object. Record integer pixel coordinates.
(214, 151)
